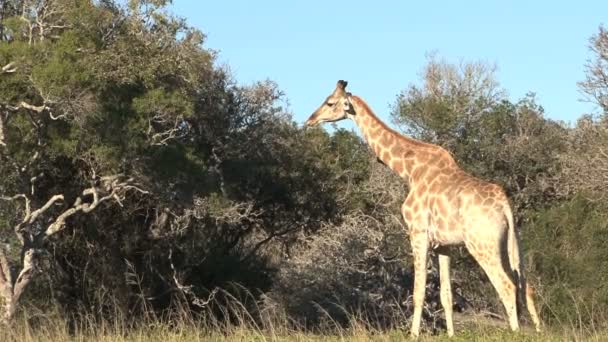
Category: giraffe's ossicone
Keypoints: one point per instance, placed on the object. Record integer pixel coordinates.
(445, 206)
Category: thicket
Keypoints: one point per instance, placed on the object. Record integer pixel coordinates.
(136, 175)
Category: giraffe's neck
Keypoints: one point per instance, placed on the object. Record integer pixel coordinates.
(400, 153)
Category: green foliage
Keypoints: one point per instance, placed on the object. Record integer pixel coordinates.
(572, 266)
(134, 91)
(158, 100)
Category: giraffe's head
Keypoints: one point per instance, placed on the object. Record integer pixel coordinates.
(336, 107)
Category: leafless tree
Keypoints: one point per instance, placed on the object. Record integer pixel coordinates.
(586, 161)
(595, 85)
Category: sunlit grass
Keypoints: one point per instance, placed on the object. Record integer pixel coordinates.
(250, 322)
(54, 328)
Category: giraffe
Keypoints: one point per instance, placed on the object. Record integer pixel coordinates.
(445, 206)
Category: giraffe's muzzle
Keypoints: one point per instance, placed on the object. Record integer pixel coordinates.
(312, 120)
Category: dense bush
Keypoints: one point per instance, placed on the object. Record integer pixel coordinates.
(571, 268)
(360, 264)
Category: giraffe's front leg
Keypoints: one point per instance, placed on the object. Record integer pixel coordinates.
(419, 241)
(446, 291)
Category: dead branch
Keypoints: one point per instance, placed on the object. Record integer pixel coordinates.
(177, 129)
(16, 197)
(111, 188)
(2, 143)
(9, 68)
(186, 290)
(29, 219)
(37, 109)
(33, 181)
(239, 213)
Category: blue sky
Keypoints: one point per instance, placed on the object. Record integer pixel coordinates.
(380, 46)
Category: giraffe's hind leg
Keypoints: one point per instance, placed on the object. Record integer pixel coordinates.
(488, 255)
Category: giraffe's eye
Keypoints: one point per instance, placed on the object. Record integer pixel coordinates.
(331, 103)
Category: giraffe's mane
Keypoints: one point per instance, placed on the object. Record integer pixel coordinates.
(399, 136)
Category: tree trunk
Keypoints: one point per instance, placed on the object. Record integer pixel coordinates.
(11, 291)
(6, 286)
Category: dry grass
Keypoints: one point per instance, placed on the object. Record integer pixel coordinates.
(250, 322)
(183, 328)
(165, 333)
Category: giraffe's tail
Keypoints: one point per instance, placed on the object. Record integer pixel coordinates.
(524, 292)
(515, 258)
(513, 246)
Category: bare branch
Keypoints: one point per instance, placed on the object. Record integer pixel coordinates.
(18, 196)
(178, 129)
(9, 68)
(264, 241)
(2, 143)
(59, 222)
(239, 212)
(111, 188)
(186, 290)
(37, 109)
(53, 117)
(30, 162)
(34, 179)
(36, 213)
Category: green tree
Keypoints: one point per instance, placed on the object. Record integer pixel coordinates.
(119, 132)
(571, 267)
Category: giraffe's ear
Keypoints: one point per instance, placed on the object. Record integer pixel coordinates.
(342, 84)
